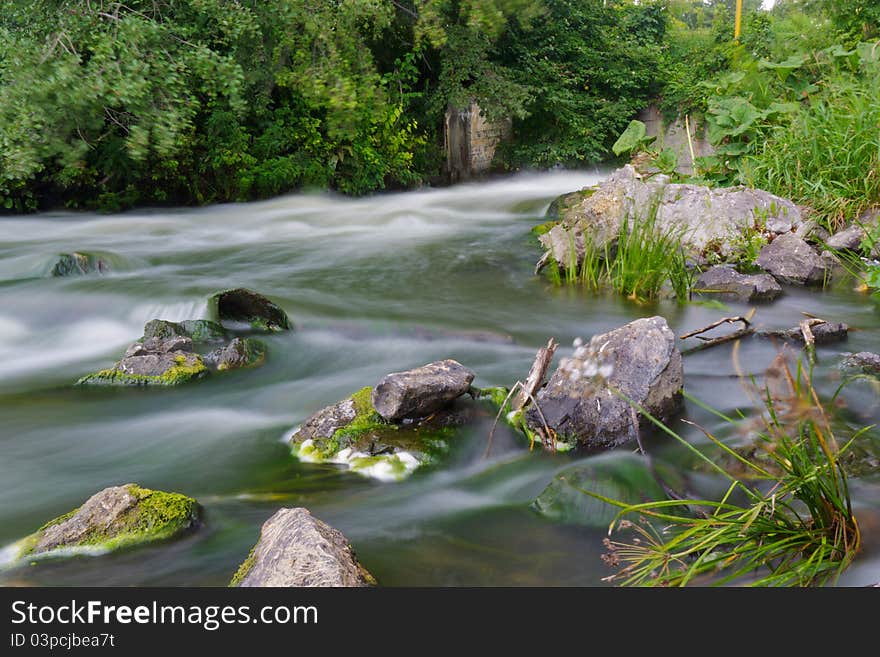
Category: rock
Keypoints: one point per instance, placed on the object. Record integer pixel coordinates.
(297, 549)
(791, 260)
(848, 239)
(198, 330)
(638, 360)
(865, 362)
(724, 282)
(421, 391)
(618, 475)
(241, 352)
(116, 517)
(155, 361)
(352, 433)
(246, 307)
(824, 333)
(703, 216)
(78, 264)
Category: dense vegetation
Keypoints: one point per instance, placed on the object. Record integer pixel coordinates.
(109, 104)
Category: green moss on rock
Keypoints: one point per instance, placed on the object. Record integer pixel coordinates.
(244, 568)
(181, 372)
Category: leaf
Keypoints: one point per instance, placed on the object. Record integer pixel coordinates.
(630, 139)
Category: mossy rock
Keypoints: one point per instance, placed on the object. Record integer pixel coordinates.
(238, 354)
(241, 307)
(351, 432)
(560, 206)
(544, 228)
(171, 369)
(115, 518)
(78, 264)
(495, 397)
(198, 330)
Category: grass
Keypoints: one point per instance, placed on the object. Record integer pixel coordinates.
(792, 525)
(638, 264)
(828, 157)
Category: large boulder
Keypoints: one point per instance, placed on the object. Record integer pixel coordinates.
(590, 399)
(724, 282)
(155, 361)
(297, 549)
(421, 391)
(114, 518)
(352, 433)
(791, 260)
(705, 218)
(243, 308)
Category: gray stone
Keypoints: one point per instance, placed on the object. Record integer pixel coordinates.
(241, 352)
(583, 401)
(243, 307)
(296, 549)
(327, 421)
(824, 333)
(791, 260)
(701, 216)
(155, 361)
(865, 362)
(725, 282)
(116, 517)
(848, 239)
(198, 330)
(421, 391)
(78, 264)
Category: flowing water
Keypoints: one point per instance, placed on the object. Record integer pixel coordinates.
(373, 285)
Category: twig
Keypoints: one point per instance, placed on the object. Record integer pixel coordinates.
(725, 320)
(736, 335)
(536, 375)
(809, 338)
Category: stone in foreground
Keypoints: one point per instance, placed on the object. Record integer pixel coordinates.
(114, 518)
(421, 391)
(865, 362)
(728, 284)
(352, 433)
(153, 362)
(242, 307)
(791, 260)
(296, 549)
(583, 401)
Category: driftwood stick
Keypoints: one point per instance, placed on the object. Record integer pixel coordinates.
(714, 342)
(809, 338)
(536, 375)
(725, 320)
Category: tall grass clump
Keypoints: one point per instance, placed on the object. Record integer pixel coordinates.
(638, 264)
(828, 156)
(792, 523)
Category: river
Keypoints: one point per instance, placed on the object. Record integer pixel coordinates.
(373, 285)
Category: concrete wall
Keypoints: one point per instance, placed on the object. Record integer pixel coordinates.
(674, 136)
(470, 142)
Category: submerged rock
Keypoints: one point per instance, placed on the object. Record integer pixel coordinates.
(582, 402)
(724, 282)
(246, 307)
(621, 476)
(114, 518)
(791, 260)
(156, 362)
(78, 264)
(865, 362)
(241, 352)
(352, 433)
(297, 549)
(703, 217)
(197, 330)
(421, 391)
(824, 333)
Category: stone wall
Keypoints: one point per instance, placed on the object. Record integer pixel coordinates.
(673, 135)
(470, 142)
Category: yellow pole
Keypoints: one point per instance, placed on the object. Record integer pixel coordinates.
(737, 20)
